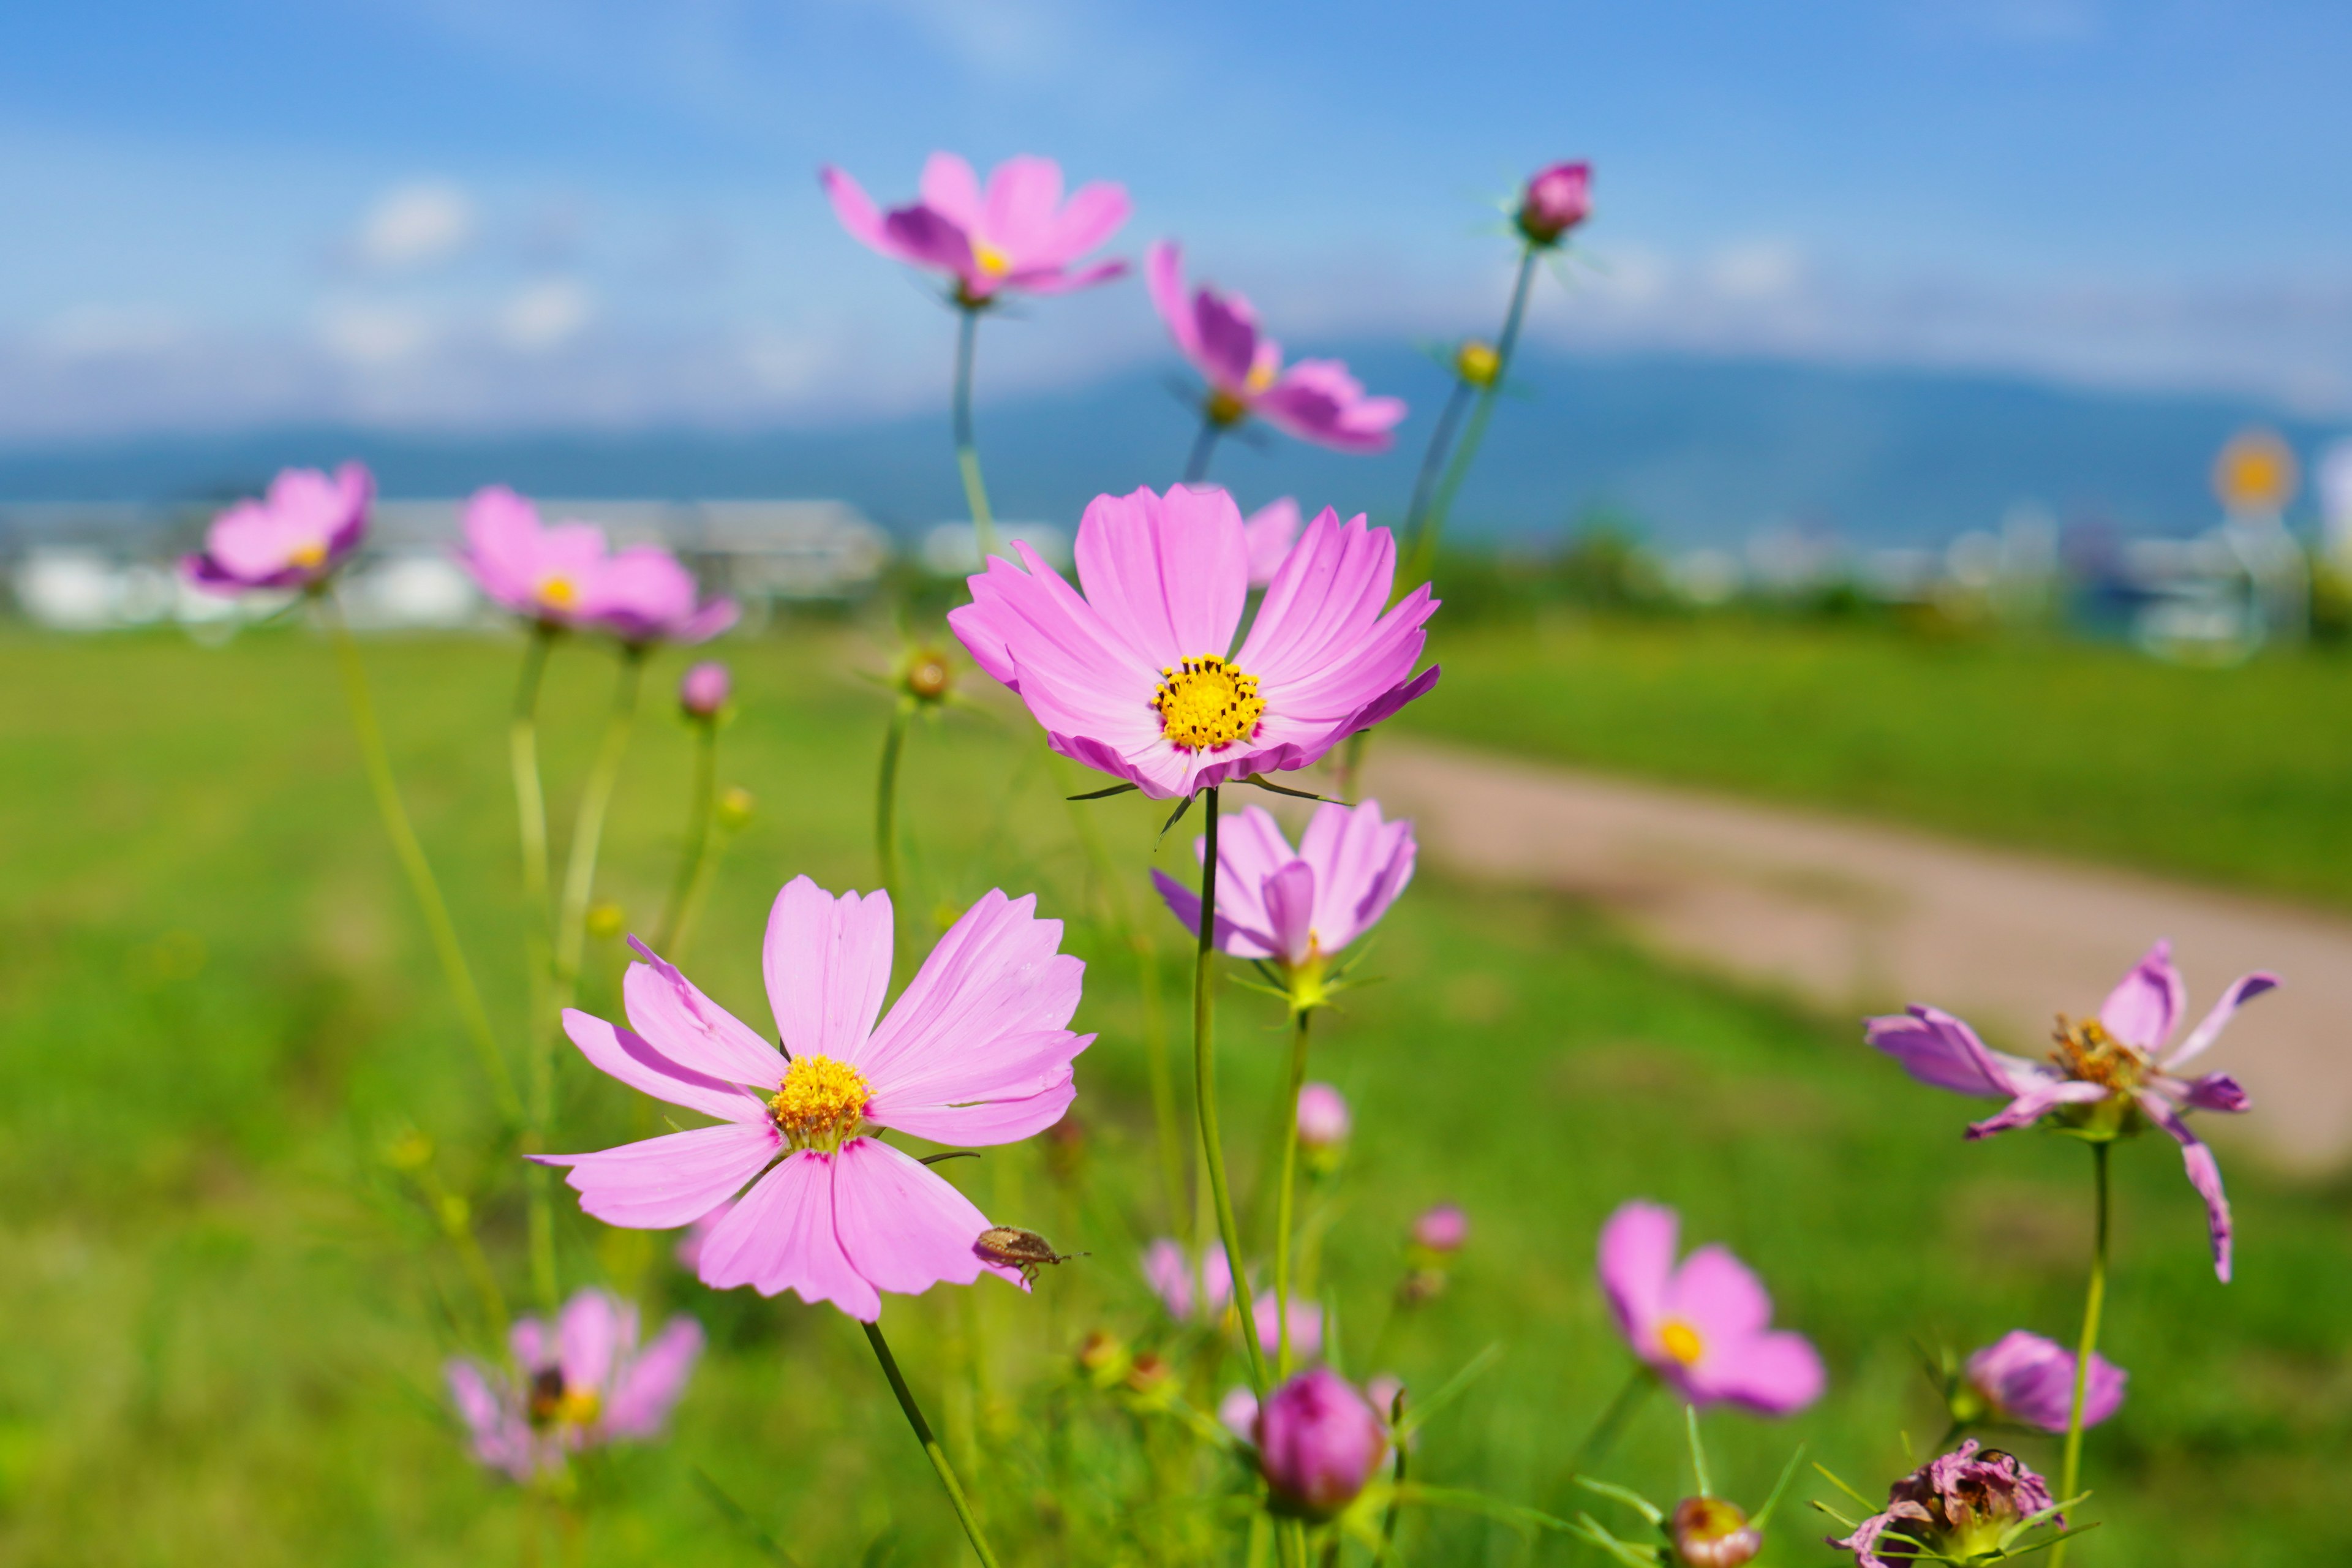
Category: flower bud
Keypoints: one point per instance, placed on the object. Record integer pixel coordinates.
(1557, 200)
(1477, 362)
(702, 690)
(1323, 1120)
(925, 675)
(1150, 1379)
(1442, 1229)
(605, 919)
(1317, 1442)
(1103, 1357)
(735, 805)
(1709, 1532)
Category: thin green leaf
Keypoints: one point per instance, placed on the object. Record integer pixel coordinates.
(1260, 780)
(2031, 1519)
(1698, 1452)
(1510, 1513)
(740, 1518)
(1631, 1498)
(1454, 1389)
(1787, 1474)
(1588, 1529)
(951, 1154)
(1176, 816)
(1818, 1506)
(2048, 1541)
(1103, 793)
(1832, 1478)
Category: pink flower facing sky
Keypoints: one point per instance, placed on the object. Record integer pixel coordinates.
(586, 1383)
(2105, 1072)
(1016, 236)
(2028, 1380)
(1167, 1268)
(305, 528)
(1299, 909)
(1138, 676)
(1316, 400)
(974, 1052)
(1270, 532)
(564, 575)
(1705, 1327)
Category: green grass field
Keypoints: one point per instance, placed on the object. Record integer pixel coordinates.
(2237, 776)
(225, 1317)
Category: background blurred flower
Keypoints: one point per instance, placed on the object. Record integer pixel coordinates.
(1271, 530)
(1316, 400)
(2024, 1378)
(1299, 909)
(1317, 1440)
(1019, 235)
(642, 595)
(1323, 1120)
(542, 570)
(703, 690)
(1703, 1327)
(1237, 1412)
(1959, 1505)
(2104, 1069)
(1167, 1268)
(1133, 678)
(1557, 199)
(973, 1052)
(1442, 1229)
(305, 528)
(586, 1383)
(1306, 1324)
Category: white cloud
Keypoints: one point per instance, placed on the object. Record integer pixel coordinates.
(414, 226)
(371, 336)
(111, 332)
(547, 314)
(1757, 269)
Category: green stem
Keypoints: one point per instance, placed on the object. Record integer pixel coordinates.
(975, 491)
(1196, 467)
(885, 795)
(410, 851)
(1204, 1091)
(1395, 1413)
(2070, 1473)
(697, 848)
(931, 1449)
(530, 823)
(1282, 1203)
(1603, 1437)
(1432, 461)
(588, 825)
(1423, 555)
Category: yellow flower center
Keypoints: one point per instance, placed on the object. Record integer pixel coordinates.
(1680, 1341)
(2088, 1052)
(559, 593)
(993, 261)
(1260, 377)
(309, 555)
(821, 1104)
(1206, 704)
(552, 1401)
(1478, 364)
(1225, 410)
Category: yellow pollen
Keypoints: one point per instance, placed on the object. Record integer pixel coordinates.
(560, 593)
(1680, 1341)
(1260, 377)
(2088, 1053)
(993, 261)
(309, 555)
(821, 1104)
(553, 1402)
(1206, 704)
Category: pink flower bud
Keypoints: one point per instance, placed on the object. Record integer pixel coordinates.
(1557, 199)
(1317, 1441)
(1709, 1532)
(1323, 1120)
(703, 690)
(1442, 1229)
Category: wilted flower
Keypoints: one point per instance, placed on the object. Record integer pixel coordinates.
(1318, 1442)
(703, 690)
(1270, 532)
(1442, 1229)
(546, 572)
(974, 1051)
(1961, 1506)
(2024, 1378)
(1316, 400)
(1299, 910)
(1136, 678)
(1709, 1532)
(1557, 200)
(1018, 236)
(1702, 1326)
(304, 528)
(585, 1385)
(1323, 1120)
(2107, 1073)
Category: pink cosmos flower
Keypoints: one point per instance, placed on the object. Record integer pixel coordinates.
(1704, 1326)
(1445, 1228)
(1317, 1442)
(642, 595)
(1316, 400)
(1019, 235)
(1557, 199)
(1299, 909)
(1137, 677)
(543, 570)
(703, 690)
(1168, 1270)
(1958, 1506)
(1270, 532)
(1237, 1412)
(2106, 1072)
(584, 1384)
(1323, 1120)
(306, 527)
(2024, 1378)
(974, 1051)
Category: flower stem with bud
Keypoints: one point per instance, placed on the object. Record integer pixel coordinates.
(1420, 557)
(1204, 1085)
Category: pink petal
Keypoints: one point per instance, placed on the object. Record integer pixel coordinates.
(1773, 1374)
(949, 188)
(930, 238)
(636, 1062)
(590, 1333)
(857, 212)
(2142, 1010)
(1270, 531)
(1092, 215)
(903, 1227)
(1163, 277)
(691, 1029)
(1056, 280)
(2036, 1101)
(1184, 903)
(650, 1387)
(1005, 1117)
(1024, 193)
(1290, 906)
(1637, 1259)
(1719, 1296)
(995, 980)
(661, 1183)
(1172, 572)
(780, 1237)
(1230, 347)
(1362, 864)
(828, 964)
(2242, 990)
(1941, 1050)
(2214, 1091)
(2204, 1174)
(1032, 632)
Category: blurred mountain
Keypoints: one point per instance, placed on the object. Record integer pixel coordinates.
(1692, 450)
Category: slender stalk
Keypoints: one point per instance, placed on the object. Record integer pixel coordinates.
(931, 1449)
(1283, 1204)
(2070, 1473)
(1196, 467)
(410, 851)
(1204, 1090)
(1423, 555)
(697, 848)
(885, 795)
(1433, 462)
(530, 824)
(1612, 1421)
(588, 829)
(1396, 1499)
(975, 491)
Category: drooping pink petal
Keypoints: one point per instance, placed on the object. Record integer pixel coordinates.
(650, 1385)
(2036, 1101)
(928, 239)
(1319, 401)
(1225, 327)
(1941, 1050)
(638, 1063)
(2242, 990)
(903, 1225)
(2145, 1005)
(1060, 280)
(827, 964)
(1184, 903)
(780, 1237)
(1637, 1259)
(692, 1030)
(675, 1179)
(591, 1332)
(2204, 1174)
(2215, 1091)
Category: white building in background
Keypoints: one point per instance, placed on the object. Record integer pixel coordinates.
(952, 548)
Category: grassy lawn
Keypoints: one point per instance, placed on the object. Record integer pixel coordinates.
(2241, 776)
(226, 1316)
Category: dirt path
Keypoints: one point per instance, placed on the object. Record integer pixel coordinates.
(1861, 916)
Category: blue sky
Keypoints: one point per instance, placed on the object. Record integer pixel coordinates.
(518, 213)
